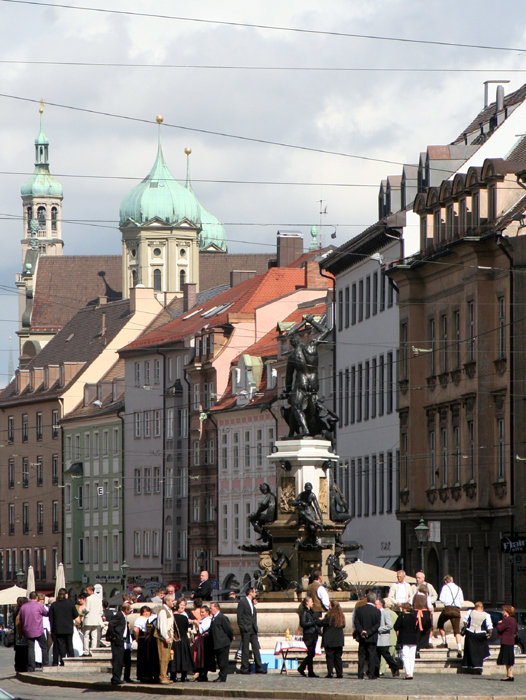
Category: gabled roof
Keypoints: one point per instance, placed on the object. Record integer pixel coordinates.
(67, 283)
(244, 298)
(80, 341)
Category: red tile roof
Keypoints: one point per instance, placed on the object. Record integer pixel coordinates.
(244, 298)
(65, 284)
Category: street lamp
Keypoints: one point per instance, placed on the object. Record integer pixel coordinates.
(20, 576)
(201, 560)
(421, 531)
(124, 570)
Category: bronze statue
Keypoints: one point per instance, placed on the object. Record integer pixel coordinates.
(339, 511)
(309, 515)
(265, 514)
(337, 575)
(304, 415)
(276, 575)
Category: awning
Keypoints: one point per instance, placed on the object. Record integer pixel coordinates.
(76, 469)
(386, 562)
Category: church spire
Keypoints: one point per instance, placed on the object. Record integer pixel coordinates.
(42, 144)
(188, 185)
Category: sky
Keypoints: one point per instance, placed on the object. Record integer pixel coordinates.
(218, 76)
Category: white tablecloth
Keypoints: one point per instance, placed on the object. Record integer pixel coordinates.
(293, 646)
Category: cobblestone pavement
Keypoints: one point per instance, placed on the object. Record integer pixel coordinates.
(438, 685)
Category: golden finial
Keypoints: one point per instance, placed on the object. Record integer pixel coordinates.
(41, 109)
(159, 119)
(188, 150)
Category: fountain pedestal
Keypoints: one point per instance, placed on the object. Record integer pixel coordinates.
(299, 462)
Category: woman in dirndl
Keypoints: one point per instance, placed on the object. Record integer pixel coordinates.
(477, 630)
(183, 662)
(422, 607)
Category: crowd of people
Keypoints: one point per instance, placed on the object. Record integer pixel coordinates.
(176, 644)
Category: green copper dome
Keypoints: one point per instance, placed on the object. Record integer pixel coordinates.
(160, 196)
(41, 183)
(212, 230)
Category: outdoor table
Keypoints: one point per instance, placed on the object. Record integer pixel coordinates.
(293, 647)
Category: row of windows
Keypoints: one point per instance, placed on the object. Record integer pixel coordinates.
(205, 454)
(93, 549)
(146, 543)
(364, 299)
(204, 346)
(93, 496)
(13, 520)
(204, 508)
(90, 448)
(370, 484)
(39, 427)
(236, 525)
(243, 453)
(31, 470)
(148, 423)
(459, 218)
(207, 397)
(148, 480)
(178, 365)
(148, 371)
(13, 560)
(367, 390)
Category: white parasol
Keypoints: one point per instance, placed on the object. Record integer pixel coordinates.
(61, 578)
(30, 580)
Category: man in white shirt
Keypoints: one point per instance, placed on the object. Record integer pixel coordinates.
(399, 592)
(421, 581)
(453, 599)
(92, 622)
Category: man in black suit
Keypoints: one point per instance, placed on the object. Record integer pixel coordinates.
(117, 633)
(247, 620)
(366, 625)
(62, 616)
(205, 587)
(222, 635)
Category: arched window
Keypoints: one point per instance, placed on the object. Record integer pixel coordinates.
(182, 280)
(41, 214)
(157, 280)
(29, 217)
(53, 218)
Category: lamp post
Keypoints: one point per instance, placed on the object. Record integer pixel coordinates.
(20, 576)
(124, 570)
(421, 531)
(201, 560)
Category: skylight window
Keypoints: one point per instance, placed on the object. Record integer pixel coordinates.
(185, 318)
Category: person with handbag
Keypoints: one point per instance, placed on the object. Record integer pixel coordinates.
(309, 625)
(453, 599)
(476, 631)
(507, 628)
(183, 662)
(406, 626)
(333, 639)
(164, 633)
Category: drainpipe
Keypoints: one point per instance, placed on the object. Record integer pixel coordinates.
(63, 451)
(163, 498)
(502, 247)
(188, 462)
(216, 456)
(121, 415)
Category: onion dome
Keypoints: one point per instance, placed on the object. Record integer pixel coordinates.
(41, 183)
(213, 234)
(160, 196)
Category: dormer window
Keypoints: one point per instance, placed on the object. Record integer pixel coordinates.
(211, 344)
(475, 209)
(197, 347)
(236, 377)
(31, 381)
(114, 392)
(46, 378)
(450, 221)
(463, 215)
(205, 345)
(62, 375)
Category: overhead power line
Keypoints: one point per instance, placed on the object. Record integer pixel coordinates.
(267, 27)
(313, 69)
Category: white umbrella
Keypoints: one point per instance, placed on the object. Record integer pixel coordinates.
(362, 575)
(30, 580)
(9, 595)
(61, 578)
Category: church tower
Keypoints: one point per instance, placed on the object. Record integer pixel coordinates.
(42, 204)
(160, 223)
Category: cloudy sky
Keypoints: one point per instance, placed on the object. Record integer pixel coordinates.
(237, 80)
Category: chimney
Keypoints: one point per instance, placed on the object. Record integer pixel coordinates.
(238, 276)
(313, 278)
(189, 296)
(102, 300)
(290, 247)
(139, 295)
(500, 98)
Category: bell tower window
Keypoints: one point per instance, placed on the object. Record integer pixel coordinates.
(182, 280)
(134, 278)
(41, 213)
(157, 280)
(54, 212)
(29, 217)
